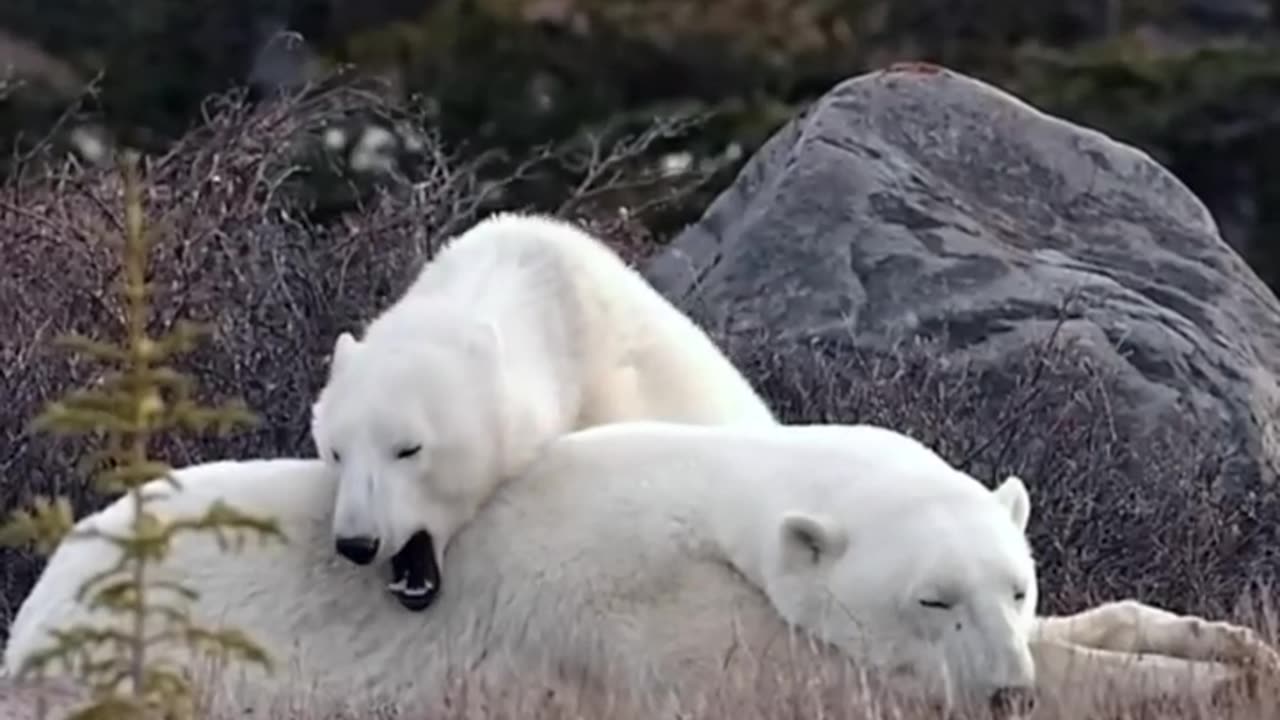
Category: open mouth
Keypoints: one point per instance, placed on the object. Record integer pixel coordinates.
(415, 577)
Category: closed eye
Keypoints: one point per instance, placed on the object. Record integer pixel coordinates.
(408, 452)
(337, 457)
(936, 604)
(1020, 595)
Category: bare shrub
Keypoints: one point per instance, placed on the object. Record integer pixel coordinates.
(237, 246)
(1154, 512)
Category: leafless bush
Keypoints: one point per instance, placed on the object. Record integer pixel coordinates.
(237, 246)
(1152, 514)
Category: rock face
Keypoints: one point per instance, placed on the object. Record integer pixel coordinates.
(917, 202)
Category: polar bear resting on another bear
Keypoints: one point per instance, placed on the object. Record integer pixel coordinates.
(517, 331)
(640, 556)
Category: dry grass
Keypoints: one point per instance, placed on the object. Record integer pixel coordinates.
(798, 687)
(1168, 515)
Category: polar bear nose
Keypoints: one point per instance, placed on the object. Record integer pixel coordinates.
(1013, 702)
(358, 549)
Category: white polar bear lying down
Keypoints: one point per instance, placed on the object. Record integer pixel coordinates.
(634, 544)
(517, 331)
(640, 556)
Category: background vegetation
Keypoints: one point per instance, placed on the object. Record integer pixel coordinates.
(628, 115)
(1195, 82)
(231, 251)
(137, 396)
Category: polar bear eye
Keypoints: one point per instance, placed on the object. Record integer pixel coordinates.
(337, 457)
(1020, 595)
(408, 452)
(936, 604)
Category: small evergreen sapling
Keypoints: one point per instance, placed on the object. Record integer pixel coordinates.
(141, 396)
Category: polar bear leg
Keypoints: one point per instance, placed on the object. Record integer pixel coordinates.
(1142, 652)
(1129, 626)
(1075, 675)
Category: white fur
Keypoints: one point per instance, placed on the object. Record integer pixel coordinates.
(519, 330)
(634, 555)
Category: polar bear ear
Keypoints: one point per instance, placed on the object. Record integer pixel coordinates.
(1013, 495)
(345, 345)
(810, 540)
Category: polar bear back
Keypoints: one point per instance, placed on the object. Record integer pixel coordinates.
(547, 283)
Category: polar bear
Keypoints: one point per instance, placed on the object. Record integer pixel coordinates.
(648, 555)
(519, 330)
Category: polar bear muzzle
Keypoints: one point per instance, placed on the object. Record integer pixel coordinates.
(415, 577)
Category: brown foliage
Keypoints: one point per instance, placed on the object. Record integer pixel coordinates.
(1155, 514)
(233, 248)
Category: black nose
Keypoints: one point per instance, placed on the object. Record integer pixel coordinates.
(1013, 701)
(359, 550)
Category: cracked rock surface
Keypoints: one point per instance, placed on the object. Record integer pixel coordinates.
(917, 201)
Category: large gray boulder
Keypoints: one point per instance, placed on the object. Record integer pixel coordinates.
(916, 202)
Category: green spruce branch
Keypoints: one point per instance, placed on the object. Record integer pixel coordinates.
(140, 397)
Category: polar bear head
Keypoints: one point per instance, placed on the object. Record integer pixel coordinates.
(410, 428)
(938, 588)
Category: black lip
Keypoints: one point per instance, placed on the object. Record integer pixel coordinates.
(415, 576)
